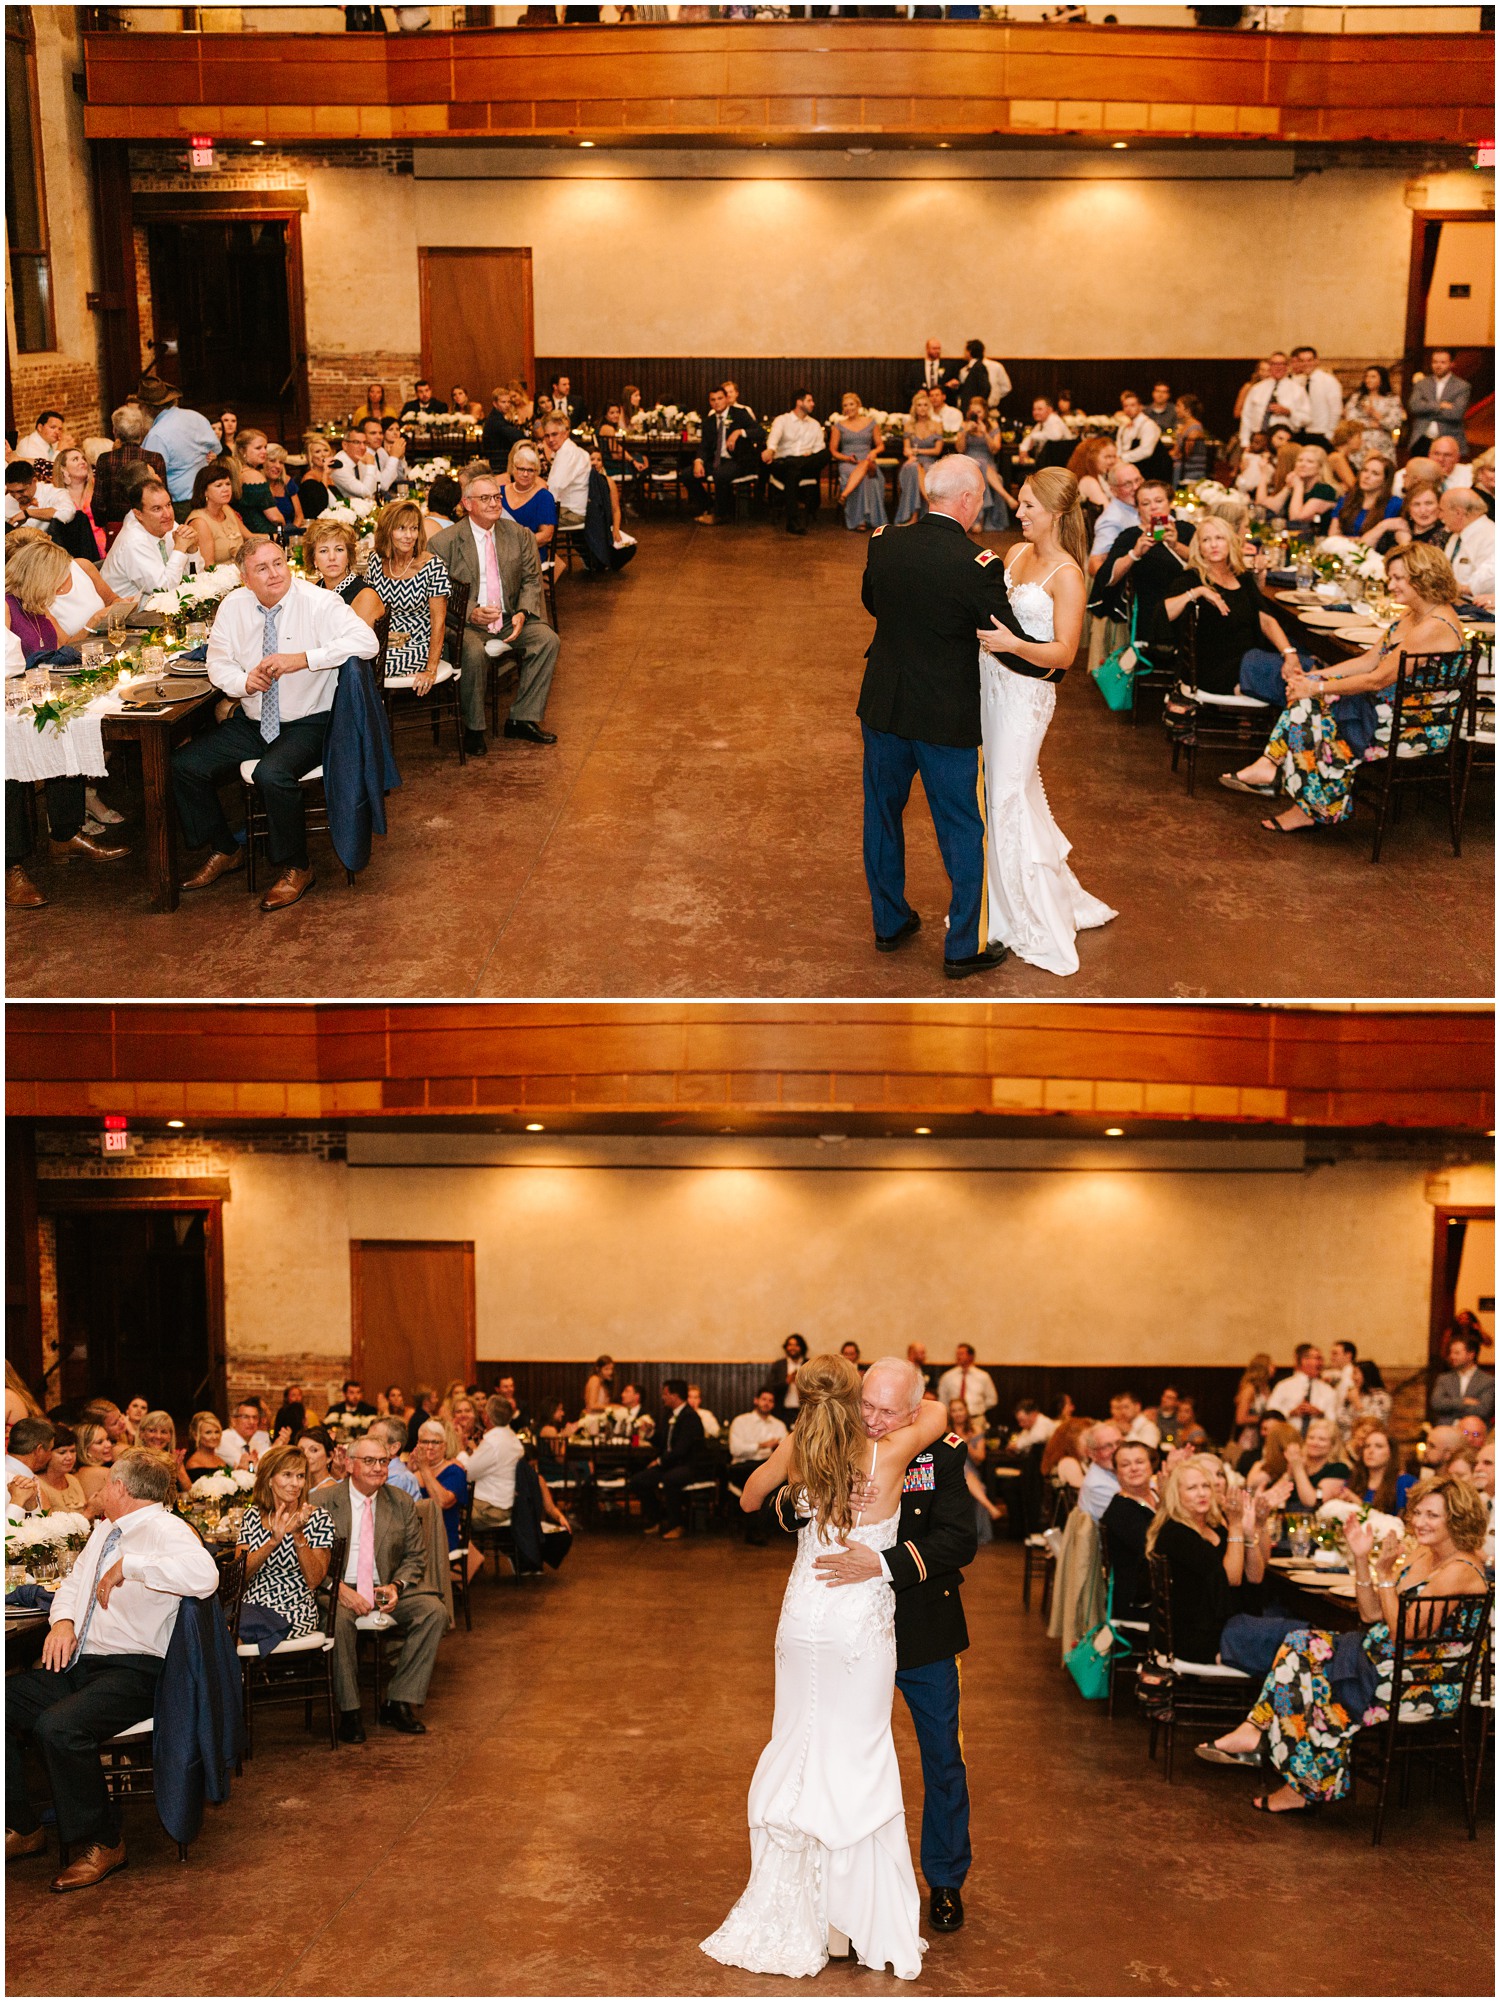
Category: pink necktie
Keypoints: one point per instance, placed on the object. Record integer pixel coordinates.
(492, 592)
(364, 1575)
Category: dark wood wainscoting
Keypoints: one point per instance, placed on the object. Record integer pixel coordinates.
(771, 381)
(729, 1387)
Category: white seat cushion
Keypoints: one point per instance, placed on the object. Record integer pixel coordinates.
(142, 1730)
(374, 1623)
(699, 1487)
(302, 1644)
(444, 673)
(1133, 1626)
(247, 772)
(1235, 701)
(1214, 1670)
(612, 1483)
(1038, 1540)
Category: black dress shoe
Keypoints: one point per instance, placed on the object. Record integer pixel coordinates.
(351, 1727)
(531, 733)
(946, 1910)
(475, 743)
(897, 939)
(979, 962)
(400, 1717)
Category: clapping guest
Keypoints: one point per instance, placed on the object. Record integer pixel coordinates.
(285, 501)
(1318, 1471)
(96, 1453)
(854, 446)
(157, 1433)
(204, 1433)
(30, 501)
(1210, 1551)
(219, 529)
(525, 497)
(27, 1452)
(150, 553)
(413, 587)
(1310, 496)
(246, 1438)
(921, 447)
(1235, 625)
(285, 1540)
(315, 489)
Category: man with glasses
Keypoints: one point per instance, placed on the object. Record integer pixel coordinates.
(384, 1566)
(497, 558)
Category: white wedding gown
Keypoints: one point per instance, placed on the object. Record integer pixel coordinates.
(828, 1843)
(1036, 903)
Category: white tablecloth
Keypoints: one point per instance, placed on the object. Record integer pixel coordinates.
(59, 753)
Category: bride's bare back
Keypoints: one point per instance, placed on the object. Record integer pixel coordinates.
(891, 1456)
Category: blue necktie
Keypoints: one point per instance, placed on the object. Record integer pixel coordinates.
(111, 1544)
(270, 701)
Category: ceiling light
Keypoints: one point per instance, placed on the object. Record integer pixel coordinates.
(1114, 1132)
(535, 1126)
(833, 1139)
(1118, 146)
(585, 143)
(921, 1129)
(257, 142)
(945, 145)
(177, 1122)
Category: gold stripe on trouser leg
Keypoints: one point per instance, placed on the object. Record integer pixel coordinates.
(984, 862)
(958, 1663)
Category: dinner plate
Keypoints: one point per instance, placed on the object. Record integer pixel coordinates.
(1362, 635)
(1330, 620)
(1307, 1575)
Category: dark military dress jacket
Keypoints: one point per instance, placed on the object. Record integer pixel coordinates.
(936, 1537)
(932, 591)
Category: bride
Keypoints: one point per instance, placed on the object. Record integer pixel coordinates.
(830, 1864)
(1036, 903)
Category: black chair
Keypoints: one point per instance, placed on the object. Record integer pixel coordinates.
(1156, 669)
(1125, 1655)
(1478, 730)
(458, 1558)
(315, 799)
(1199, 718)
(1184, 1692)
(1041, 1555)
(809, 491)
(443, 703)
(1444, 1652)
(1432, 689)
(296, 1671)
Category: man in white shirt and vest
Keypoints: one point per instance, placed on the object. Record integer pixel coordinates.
(151, 552)
(111, 1622)
(1304, 1395)
(975, 1386)
(276, 648)
(1138, 436)
(796, 450)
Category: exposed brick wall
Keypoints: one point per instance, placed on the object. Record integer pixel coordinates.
(56, 382)
(46, 1234)
(336, 383)
(164, 170)
(145, 310)
(267, 1376)
(74, 1155)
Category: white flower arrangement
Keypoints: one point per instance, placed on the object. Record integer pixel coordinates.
(1343, 1511)
(216, 1487)
(47, 1530)
(1354, 557)
(193, 593)
(1210, 492)
(243, 1479)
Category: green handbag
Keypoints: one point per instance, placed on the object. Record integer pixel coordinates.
(1113, 674)
(1088, 1662)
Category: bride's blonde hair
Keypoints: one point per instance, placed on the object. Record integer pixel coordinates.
(1057, 491)
(828, 1440)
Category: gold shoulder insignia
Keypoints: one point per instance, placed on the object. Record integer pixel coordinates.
(986, 556)
(952, 1439)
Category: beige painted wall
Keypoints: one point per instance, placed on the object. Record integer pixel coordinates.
(1086, 1266)
(359, 259)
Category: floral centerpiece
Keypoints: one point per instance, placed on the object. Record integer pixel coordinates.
(193, 596)
(349, 507)
(1331, 1524)
(46, 1541)
(1353, 558)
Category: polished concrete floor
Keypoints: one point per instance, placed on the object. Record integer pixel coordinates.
(573, 1824)
(696, 832)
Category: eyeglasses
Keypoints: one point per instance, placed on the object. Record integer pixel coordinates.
(368, 1460)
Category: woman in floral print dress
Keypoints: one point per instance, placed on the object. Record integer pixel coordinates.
(1335, 719)
(1312, 1704)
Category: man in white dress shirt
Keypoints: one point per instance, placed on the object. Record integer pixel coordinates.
(1304, 1395)
(276, 648)
(244, 1439)
(567, 473)
(353, 471)
(1033, 1427)
(1439, 464)
(151, 552)
(975, 1386)
(1100, 1485)
(753, 1438)
(1275, 399)
(27, 1452)
(110, 1625)
(949, 417)
(1325, 397)
(1047, 428)
(1126, 1412)
(45, 442)
(1119, 513)
(1138, 435)
(1471, 543)
(796, 450)
(33, 501)
(492, 1466)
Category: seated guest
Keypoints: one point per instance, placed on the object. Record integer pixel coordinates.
(1127, 1518)
(96, 1453)
(1137, 436)
(1126, 1412)
(614, 442)
(422, 403)
(710, 1424)
(444, 500)
(1234, 622)
(315, 489)
(276, 648)
(390, 457)
(1319, 1472)
(965, 1426)
(1163, 407)
(439, 1476)
(1047, 428)
(979, 440)
(1420, 519)
(1464, 1387)
(1100, 1486)
(285, 504)
(501, 431)
(567, 472)
(44, 440)
(946, 414)
(1309, 499)
(61, 1487)
(660, 1485)
(492, 1466)
(1375, 1473)
(555, 1431)
(498, 560)
(331, 547)
(1090, 466)
(73, 481)
(252, 490)
(29, 500)
(1188, 453)
(724, 453)
(157, 1432)
(1065, 1457)
(220, 531)
(1377, 411)
(150, 553)
(1483, 471)
(1344, 456)
(412, 585)
(111, 1621)
(1189, 1432)
(391, 1433)
(618, 536)
(753, 1438)
(966, 1380)
(561, 391)
(285, 1540)
(27, 1453)
(384, 1568)
(135, 1414)
(639, 1425)
(247, 1437)
(292, 1416)
(520, 1414)
(1370, 503)
(1120, 513)
(1334, 718)
(1257, 465)
(1210, 1552)
(1470, 548)
(922, 445)
(1310, 1707)
(353, 471)
(227, 428)
(374, 404)
(1033, 1427)
(325, 1460)
(185, 440)
(796, 450)
(525, 497)
(1152, 555)
(854, 446)
(203, 1435)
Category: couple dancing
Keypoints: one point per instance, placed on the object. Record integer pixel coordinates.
(876, 1496)
(960, 685)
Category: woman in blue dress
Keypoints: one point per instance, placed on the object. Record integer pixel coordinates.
(922, 445)
(444, 1480)
(526, 499)
(980, 440)
(854, 445)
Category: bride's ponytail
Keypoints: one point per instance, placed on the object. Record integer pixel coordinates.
(1057, 490)
(828, 1439)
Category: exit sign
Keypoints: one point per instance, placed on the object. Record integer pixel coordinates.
(201, 153)
(116, 1133)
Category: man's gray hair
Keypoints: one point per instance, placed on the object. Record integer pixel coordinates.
(129, 423)
(393, 1430)
(953, 479)
(1466, 498)
(1119, 471)
(897, 1367)
(147, 1476)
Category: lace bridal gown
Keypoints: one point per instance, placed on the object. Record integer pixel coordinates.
(828, 1844)
(1036, 903)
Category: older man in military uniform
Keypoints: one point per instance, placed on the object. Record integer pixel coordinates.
(937, 1537)
(932, 592)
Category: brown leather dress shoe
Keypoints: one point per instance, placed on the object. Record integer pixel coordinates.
(24, 1845)
(93, 846)
(92, 1867)
(21, 894)
(216, 866)
(288, 887)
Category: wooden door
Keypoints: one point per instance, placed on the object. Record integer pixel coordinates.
(413, 1308)
(476, 321)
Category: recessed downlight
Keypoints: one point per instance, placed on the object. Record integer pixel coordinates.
(1114, 1132)
(535, 1126)
(921, 1129)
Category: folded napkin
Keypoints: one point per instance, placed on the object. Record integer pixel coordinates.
(34, 1598)
(263, 1627)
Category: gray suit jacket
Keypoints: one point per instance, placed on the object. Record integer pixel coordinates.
(1448, 1403)
(520, 567)
(1422, 408)
(400, 1545)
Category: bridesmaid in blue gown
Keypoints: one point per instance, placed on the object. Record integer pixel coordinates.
(854, 445)
(979, 440)
(923, 446)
